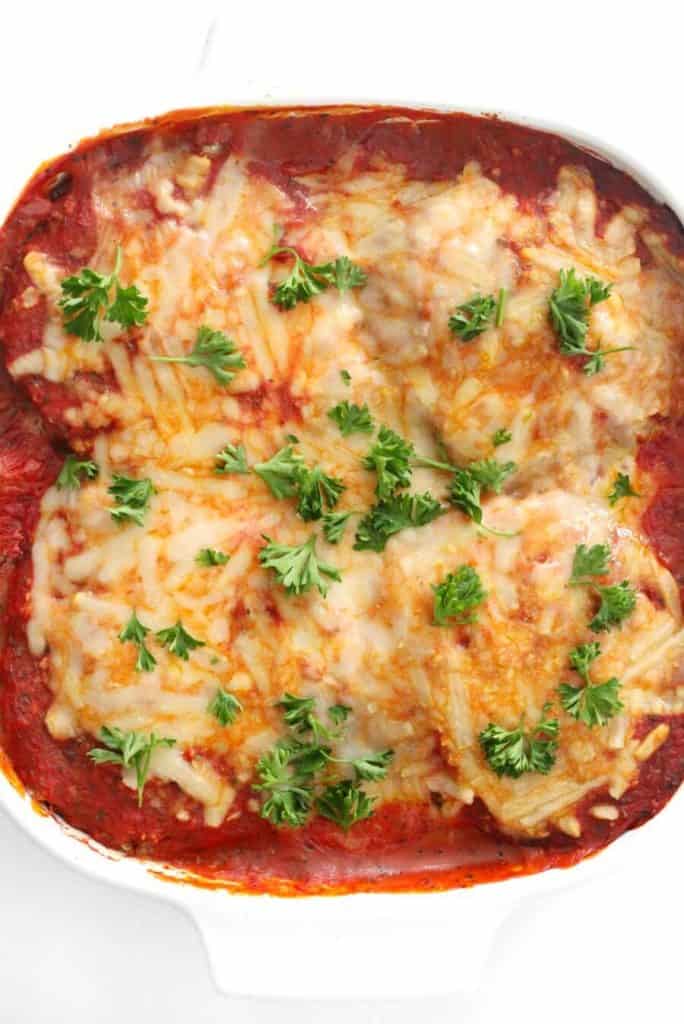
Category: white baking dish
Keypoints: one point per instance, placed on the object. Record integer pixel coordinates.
(401, 944)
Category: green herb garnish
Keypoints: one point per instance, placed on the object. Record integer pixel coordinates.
(129, 749)
(307, 279)
(622, 488)
(297, 566)
(131, 497)
(569, 310)
(513, 752)
(457, 595)
(87, 300)
(501, 436)
(351, 418)
(593, 703)
(225, 707)
(208, 557)
(334, 525)
(399, 512)
(617, 601)
(75, 471)
(134, 632)
(345, 803)
(231, 459)
(473, 317)
(213, 350)
(389, 459)
(178, 641)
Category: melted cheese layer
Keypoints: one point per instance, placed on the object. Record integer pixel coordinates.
(424, 692)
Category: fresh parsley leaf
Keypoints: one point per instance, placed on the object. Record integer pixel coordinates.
(490, 474)
(457, 596)
(286, 474)
(131, 498)
(213, 350)
(339, 713)
(389, 458)
(465, 494)
(281, 473)
(400, 512)
(501, 436)
(334, 525)
(343, 274)
(351, 418)
(178, 641)
(297, 711)
(582, 657)
(346, 377)
(316, 488)
(207, 557)
(345, 803)
(588, 562)
(129, 749)
(300, 714)
(617, 603)
(75, 471)
(569, 308)
(129, 307)
(473, 317)
(596, 290)
(307, 279)
(134, 632)
(513, 752)
(292, 438)
(622, 488)
(297, 566)
(593, 704)
(372, 767)
(86, 301)
(225, 707)
(231, 459)
(289, 788)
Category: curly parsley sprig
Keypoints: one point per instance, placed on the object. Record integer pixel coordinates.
(513, 752)
(286, 475)
(457, 597)
(135, 632)
(617, 601)
(389, 458)
(569, 308)
(351, 418)
(178, 641)
(622, 488)
(396, 513)
(297, 566)
(129, 749)
(87, 299)
(225, 707)
(307, 280)
(213, 350)
(294, 775)
(75, 471)
(593, 703)
(131, 498)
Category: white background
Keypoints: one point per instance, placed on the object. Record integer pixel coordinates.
(73, 949)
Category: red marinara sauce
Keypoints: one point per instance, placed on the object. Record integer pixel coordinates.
(403, 846)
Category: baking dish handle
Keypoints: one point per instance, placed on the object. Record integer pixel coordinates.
(351, 947)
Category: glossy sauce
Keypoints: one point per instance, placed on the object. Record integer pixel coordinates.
(404, 846)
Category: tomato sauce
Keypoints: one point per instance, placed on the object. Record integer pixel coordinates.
(403, 846)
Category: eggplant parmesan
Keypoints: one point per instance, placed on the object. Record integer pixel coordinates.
(341, 461)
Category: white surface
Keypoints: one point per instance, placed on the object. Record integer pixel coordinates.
(71, 946)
